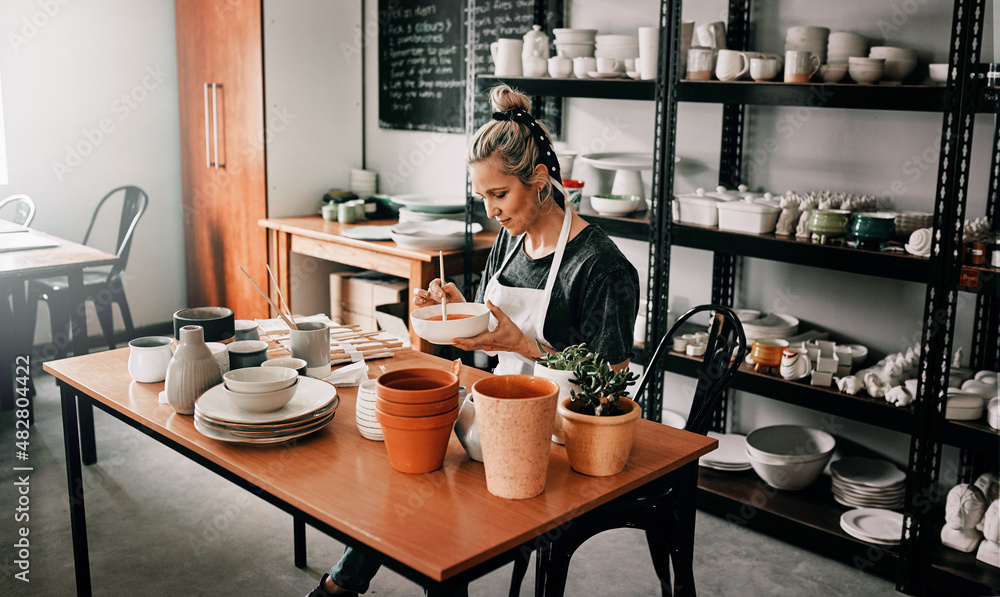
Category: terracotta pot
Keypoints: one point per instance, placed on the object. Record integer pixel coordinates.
(416, 444)
(427, 409)
(599, 446)
(192, 370)
(514, 415)
(562, 379)
(417, 386)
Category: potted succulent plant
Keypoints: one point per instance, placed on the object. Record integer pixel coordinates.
(560, 367)
(598, 418)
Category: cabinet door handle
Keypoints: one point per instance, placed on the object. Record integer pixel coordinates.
(215, 124)
(208, 155)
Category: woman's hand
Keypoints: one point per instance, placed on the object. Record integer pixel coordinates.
(436, 293)
(506, 337)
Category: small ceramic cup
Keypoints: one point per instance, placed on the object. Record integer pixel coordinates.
(699, 64)
(247, 353)
(364, 412)
(763, 69)
(148, 358)
(311, 342)
(246, 329)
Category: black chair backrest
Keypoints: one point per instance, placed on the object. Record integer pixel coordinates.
(725, 351)
(133, 206)
(24, 209)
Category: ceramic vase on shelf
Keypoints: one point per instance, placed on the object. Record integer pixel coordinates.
(192, 370)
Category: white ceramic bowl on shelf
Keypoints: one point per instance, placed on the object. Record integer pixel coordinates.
(938, 72)
(790, 444)
(615, 205)
(789, 476)
(866, 70)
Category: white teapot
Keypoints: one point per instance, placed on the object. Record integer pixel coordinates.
(536, 43)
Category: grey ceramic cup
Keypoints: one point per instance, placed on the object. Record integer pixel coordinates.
(247, 353)
(246, 329)
(311, 342)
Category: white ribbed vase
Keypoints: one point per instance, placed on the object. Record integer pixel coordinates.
(192, 370)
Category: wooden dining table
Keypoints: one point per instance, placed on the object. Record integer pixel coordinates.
(316, 237)
(66, 258)
(441, 529)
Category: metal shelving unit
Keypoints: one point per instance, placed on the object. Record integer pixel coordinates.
(800, 517)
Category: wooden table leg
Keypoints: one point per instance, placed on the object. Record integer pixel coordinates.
(279, 257)
(421, 274)
(74, 482)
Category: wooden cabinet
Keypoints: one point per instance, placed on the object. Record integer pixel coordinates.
(221, 99)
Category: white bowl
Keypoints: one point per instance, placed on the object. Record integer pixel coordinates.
(574, 50)
(866, 73)
(258, 380)
(615, 205)
(789, 476)
(475, 322)
(263, 402)
(790, 444)
(832, 73)
(897, 70)
(299, 365)
(565, 34)
(892, 53)
(993, 413)
(938, 72)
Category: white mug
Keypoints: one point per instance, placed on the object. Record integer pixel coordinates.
(699, 64)
(712, 35)
(649, 49)
(763, 69)
(583, 65)
(608, 65)
(148, 358)
(731, 65)
(800, 66)
(506, 53)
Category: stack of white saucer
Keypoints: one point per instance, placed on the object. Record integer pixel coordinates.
(364, 183)
(731, 455)
(868, 483)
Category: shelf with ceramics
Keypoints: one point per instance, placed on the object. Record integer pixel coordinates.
(618, 88)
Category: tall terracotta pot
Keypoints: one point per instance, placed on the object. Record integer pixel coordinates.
(514, 414)
(599, 446)
(562, 379)
(192, 370)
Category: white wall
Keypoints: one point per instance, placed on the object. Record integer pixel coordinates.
(69, 69)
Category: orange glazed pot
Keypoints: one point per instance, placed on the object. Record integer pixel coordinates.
(417, 385)
(514, 414)
(599, 446)
(416, 444)
(428, 409)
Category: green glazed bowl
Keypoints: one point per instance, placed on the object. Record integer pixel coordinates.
(828, 224)
(874, 226)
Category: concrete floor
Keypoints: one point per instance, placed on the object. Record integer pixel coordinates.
(161, 525)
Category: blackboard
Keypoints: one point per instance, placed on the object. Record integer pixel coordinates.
(422, 67)
(422, 58)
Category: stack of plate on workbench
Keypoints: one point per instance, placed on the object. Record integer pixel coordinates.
(731, 455)
(313, 406)
(868, 483)
(434, 235)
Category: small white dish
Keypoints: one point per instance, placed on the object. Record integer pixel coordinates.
(597, 75)
(632, 74)
(615, 205)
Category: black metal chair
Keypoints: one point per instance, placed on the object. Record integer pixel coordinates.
(666, 516)
(24, 209)
(103, 286)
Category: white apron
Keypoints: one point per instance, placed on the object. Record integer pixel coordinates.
(526, 307)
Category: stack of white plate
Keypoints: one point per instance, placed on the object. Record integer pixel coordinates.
(619, 47)
(868, 483)
(434, 235)
(909, 222)
(364, 183)
(757, 325)
(313, 406)
(873, 525)
(409, 215)
(437, 204)
(731, 455)
(573, 43)
(810, 39)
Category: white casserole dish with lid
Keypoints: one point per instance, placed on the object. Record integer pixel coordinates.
(748, 215)
(698, 208)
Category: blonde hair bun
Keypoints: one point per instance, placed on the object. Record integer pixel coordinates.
(503, 98)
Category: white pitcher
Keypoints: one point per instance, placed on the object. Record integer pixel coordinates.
(506, 53)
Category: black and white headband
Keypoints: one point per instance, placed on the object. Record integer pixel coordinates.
(547, 155)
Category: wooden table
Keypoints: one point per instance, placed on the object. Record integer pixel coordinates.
(441, 529)
(314, 236)
(67, 259)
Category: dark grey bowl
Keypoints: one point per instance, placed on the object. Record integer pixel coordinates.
(218, 322)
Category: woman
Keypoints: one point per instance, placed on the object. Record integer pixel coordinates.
(550, 276)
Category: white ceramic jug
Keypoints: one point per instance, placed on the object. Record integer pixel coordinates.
(506, 55)
(536, 43)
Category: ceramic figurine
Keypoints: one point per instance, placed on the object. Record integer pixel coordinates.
(849, 384)
(919, 243)
(786, 221)
(802, 230)
(989, 550)
(962, 512)
(874, 385)
(899, 396)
